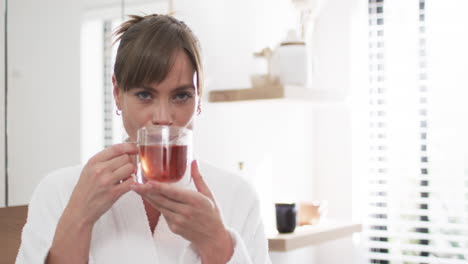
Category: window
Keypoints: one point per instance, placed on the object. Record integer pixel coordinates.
(416, 198)
(97, 103)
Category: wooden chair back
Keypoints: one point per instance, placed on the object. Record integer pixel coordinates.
(12, 220)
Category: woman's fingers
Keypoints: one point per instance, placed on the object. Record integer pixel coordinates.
(156, 198)
(200, 184)
(117, 162)
(162, 202)
(190, 214)
(114, 151)
(172, 192)
(104, 179)
(123, 172)
(181, 195)
(123, 187)
(181, 218)
(119, 167)
(175, 221)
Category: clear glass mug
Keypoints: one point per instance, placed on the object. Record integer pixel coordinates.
(165, 154)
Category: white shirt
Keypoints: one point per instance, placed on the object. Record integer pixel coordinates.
(122, 234)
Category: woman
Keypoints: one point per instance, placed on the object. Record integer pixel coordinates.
(96, 213)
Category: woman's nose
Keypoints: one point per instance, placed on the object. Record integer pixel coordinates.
(162, 115)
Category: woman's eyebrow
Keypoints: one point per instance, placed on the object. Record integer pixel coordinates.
(177, 89)
(148, 88)
(184, 87)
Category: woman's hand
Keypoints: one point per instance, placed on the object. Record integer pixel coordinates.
(103, 180)
(192, 215)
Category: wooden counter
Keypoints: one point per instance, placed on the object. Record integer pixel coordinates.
(311, 235)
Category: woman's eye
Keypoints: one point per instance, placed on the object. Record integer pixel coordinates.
(182, 97)
(143, 95)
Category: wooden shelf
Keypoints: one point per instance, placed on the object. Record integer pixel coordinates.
(305, 236)
(258, 93)
(275, 91)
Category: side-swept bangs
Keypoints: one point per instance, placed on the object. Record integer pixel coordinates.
(147, 49)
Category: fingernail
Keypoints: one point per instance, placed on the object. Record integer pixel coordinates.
(195, 164)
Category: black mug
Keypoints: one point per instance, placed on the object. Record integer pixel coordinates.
(286, 217)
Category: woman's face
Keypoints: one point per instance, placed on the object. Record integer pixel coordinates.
(170, 102)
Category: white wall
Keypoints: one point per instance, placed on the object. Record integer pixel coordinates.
(43, 100)
(92, 96)
(339, 34)
(273, 138)
(307, 147)
(44, 88)
(231, 31)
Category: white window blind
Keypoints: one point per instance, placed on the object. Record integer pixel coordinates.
(416, 201)
(100, 126)
(112, 125)
(109, 109)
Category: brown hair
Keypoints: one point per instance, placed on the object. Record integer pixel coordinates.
(147, 47)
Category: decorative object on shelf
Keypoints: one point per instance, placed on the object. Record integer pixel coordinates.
(291, 62)
(311, 213)
(308, 12)
(267, 54)
(286, 217)
(264, 86)
(290, 65)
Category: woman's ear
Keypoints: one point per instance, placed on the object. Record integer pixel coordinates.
(116, 92)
